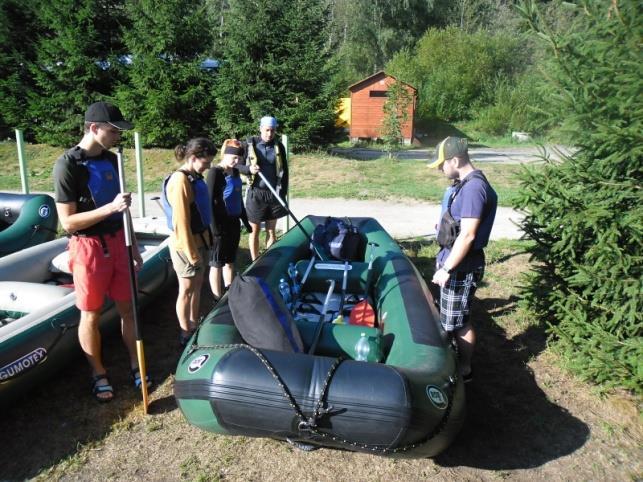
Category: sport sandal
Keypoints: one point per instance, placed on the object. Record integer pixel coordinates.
(99, 390)
(136, 378)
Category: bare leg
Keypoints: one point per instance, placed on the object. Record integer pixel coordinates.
(90, 342)
(215, 281)
(184, 302)
(128, 330)
(253, 241)
(228, 274)
(271, 237)
(195, 300)
(465, 337)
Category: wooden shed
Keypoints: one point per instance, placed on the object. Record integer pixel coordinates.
(367, 107)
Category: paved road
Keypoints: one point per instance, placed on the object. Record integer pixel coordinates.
(399, 219)
(513, 155)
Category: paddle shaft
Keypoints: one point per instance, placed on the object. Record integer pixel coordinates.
(344, 283)
(127, 225)
(320, 323)
(285, 206)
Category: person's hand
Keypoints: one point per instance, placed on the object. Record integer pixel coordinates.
(441, 277)
(121, 202)
(254, 169)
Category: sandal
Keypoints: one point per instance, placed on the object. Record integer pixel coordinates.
(98, 390)
(136, 378)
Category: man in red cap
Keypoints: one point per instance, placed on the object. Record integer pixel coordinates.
(90, 207)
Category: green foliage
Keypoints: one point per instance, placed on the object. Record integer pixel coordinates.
(276, 62)
(455, 71)
(396, 114)
(516, 107)
(17, 50)
(169, 96)
(366, 34)
(78, 36)
(586, 213)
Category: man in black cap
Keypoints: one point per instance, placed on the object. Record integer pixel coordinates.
(90, 207)
(463, 232)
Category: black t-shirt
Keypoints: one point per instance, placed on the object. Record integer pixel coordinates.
(71, 184)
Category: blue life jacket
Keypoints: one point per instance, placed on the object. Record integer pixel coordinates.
(103, 184)
(232, 196)
(200, 209)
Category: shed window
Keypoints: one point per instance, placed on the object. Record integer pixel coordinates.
(378, 93)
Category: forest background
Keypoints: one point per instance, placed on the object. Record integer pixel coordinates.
(569, 71)
(181, 68)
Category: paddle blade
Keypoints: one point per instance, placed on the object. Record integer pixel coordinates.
(362, 314)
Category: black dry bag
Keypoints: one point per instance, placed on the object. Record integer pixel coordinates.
(339, 238)
(261, 316)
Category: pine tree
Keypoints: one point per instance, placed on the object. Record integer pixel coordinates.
(276, 62)
(396, 114)
(586, 212)
(76, 64)
(17, 52)
(168, 96)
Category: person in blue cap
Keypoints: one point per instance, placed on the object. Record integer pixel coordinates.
(266, 154)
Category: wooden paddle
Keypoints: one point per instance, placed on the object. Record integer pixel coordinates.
(127, 221)
(363, 313)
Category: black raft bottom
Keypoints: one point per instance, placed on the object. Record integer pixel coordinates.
(365, 403)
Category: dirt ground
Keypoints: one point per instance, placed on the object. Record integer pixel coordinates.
(527, 418)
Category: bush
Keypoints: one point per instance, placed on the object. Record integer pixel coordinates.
(585, 213)
(517, 106)
(453, 70)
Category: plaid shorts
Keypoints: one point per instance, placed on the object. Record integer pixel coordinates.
(455, 298)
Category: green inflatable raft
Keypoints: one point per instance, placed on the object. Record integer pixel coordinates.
(404, 398)
(26, 220)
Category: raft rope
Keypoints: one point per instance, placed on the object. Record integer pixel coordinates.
(310, 424)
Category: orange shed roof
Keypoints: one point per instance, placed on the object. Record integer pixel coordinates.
(373, 78)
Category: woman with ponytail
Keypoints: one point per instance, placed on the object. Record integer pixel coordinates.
(187, 207)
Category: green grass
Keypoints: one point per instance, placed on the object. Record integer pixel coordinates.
(313, 175)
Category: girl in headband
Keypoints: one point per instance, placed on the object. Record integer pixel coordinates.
(224, 187)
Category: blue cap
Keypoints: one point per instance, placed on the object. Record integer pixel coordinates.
(268, 121)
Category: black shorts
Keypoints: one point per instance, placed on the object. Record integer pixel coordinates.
(262, 205)
(225, 246)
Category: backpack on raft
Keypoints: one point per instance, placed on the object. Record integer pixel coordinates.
(340, 239)
(261, 316)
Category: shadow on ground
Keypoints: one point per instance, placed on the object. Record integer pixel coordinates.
(50, 424)
(511, 424)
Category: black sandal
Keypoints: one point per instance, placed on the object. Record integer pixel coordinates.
(98, 390)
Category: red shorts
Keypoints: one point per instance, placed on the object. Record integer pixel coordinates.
(95, 274)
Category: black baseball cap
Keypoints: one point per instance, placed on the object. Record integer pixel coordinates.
(108, 113)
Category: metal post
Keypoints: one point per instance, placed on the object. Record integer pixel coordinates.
(284, 141)
(139, 174)
(22, 162)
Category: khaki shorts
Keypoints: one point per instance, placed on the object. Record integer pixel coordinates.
(183, 267)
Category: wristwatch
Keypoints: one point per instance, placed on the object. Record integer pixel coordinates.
(449, 271)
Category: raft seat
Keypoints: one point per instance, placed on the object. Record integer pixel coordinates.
(23, 297)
